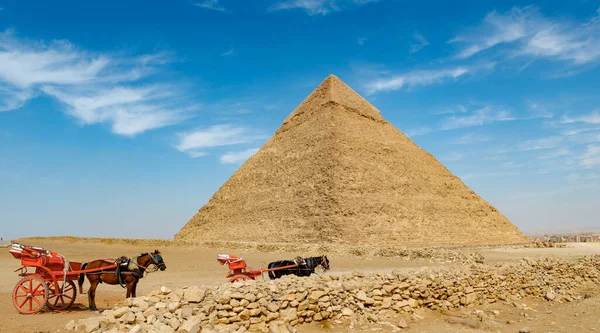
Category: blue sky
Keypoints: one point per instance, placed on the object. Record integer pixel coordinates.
(122, 118)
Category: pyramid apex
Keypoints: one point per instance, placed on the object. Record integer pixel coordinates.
(330, 84)
(333, 89)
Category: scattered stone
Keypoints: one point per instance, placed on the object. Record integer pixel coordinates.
(164, 290)
(136, 329)
(191, 325)
(194, 295)
(551, 295)
(463, 321)
(91, 324)
(361, 296)
(71, 326)
(402, 324)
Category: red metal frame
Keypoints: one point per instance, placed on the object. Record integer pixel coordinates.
(50, 267)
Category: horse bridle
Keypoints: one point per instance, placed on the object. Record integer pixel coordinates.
(153, 261)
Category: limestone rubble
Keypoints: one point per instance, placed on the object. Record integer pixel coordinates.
(281, 305)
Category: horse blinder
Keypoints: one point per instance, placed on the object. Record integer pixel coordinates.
(158, 261)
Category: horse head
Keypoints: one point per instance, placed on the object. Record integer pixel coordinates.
(325, 263)
(154, 258)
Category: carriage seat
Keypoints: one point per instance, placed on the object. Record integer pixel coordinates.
(234, 262)
(18, 251)
(33, 255)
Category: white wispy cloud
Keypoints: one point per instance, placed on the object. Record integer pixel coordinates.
(12, 98)
(539, 111)
(418, 43)
(527, 32)
(196, 154)
(212, 5)
(215, 136)
(592, 118)
(534, 195)
(361, 41)
(583, 176)
(543, 143)
(554, 153)
(96, 88)
(454, 156)
(452, 110)
(470, 138)
(586, 137)
(496, 29)
(129, 110)
(238, 157)
(414, 79)
(228, 52)
(59, 63)
(489, 175)
(578, 130)
(418, 131)
(591, 157)
(483, 116)
(319, 7)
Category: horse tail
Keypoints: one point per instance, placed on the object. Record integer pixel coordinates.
(271, 273)
(82, 277)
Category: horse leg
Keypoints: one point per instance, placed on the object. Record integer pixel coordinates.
(92, 294)
(279, 273)
(129, 289)
(82, 278)
(133, 289)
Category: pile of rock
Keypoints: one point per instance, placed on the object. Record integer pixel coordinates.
(280, 305)
(546, 244)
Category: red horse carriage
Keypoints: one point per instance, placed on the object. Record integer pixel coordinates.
(239, 270)
(46, 279)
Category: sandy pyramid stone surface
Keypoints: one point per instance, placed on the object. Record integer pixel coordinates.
(337, 172)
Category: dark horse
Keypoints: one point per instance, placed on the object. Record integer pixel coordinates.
(126, 275)
(306, 266)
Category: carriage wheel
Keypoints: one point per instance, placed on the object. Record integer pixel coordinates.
(58, 300)
(30, 295)
(239, 278)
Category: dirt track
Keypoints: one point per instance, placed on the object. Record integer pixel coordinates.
(197, 266)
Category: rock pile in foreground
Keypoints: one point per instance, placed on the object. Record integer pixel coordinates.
(280, 305)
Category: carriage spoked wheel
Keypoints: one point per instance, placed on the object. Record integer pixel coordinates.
(62, 298)
(30, 295)
(240, 278)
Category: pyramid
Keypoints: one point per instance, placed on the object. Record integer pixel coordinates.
(337, 172)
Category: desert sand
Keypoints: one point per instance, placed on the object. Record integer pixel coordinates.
(189, 265)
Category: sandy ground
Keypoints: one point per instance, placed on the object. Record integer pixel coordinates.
(198, 266)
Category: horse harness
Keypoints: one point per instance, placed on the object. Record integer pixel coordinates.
(126, 266)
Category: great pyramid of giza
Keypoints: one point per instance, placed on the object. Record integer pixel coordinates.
(337, 172)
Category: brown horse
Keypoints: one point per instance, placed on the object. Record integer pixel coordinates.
(127, 276)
